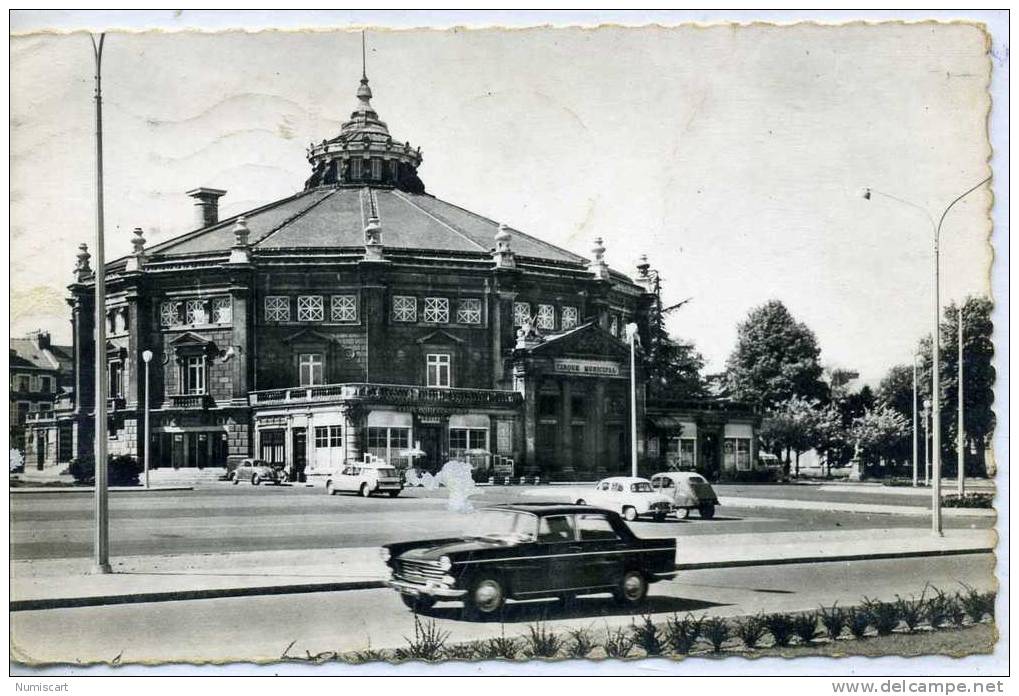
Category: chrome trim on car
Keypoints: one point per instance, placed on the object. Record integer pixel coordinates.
(562, 555)
(430, 590)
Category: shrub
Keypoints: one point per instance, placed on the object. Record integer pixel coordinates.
(648, 637)
(428, 642)
(833, 620)
(682, 634)
(580, 643)
(780, 626)
(805, 627)
(541, 642)
(976, 604)
(857, 621)
(618, 643)
(939, 609)
(973, 500)
(716, 631)
(911, 611)
(884, 616)
(367, 655)
(750, 630)
(498, 648)
(122, 470)
(459, 651)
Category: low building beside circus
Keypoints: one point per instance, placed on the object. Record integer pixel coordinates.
(362, 316)
(715, 437)
(41, 375)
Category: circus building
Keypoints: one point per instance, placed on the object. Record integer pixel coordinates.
(361, 315)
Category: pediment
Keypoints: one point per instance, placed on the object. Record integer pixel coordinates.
(588, 341)
(189, 338)
(440, 337)
(309, 336)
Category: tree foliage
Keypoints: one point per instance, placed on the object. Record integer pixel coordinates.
(880, 433)
(776, 358)
(673, 365)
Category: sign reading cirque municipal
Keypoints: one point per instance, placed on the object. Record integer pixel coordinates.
(593, 368)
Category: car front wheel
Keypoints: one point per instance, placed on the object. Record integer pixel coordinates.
(255, 480)
(632, 589)
(682, 513)
(629, 513)
(581, 501)
(365, 491)
(330, 490)
(486, 598)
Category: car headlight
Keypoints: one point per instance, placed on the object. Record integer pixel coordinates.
(445, 563)
(384, 553)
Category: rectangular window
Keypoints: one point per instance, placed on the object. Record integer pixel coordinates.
(23, 408)
(681, 453)
(310, 308)
(169, 314)
(194, 374)
(737, 453)
(595, 528)
(437, 365)
(328, 436)
(461, 440)
(277, 308)
(116, 379)
(614, 325)
(344, 308)
(521, 313)
(389, 444)
(546, 317)
(24, 383)
(437, 310)
(468, 311)
(272, 445)
(194, 313)
(355, 168)
(321, 437)
(569, 317)
(45, 384)
(335, 436)
(405, 308)
(222, 310)
(376, 168)
(311, 369)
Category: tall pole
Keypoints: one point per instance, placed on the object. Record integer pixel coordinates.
(936, 401)
(961, 430)
(926, 442)
(633, 400)
(147, 357)
(916, 433)
(102, 509)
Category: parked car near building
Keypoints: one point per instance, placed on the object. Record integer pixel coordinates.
(529, 551)
(257, 471)
(632, 497)
(688, 491)
(365, 478)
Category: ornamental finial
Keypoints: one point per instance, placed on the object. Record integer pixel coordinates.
(82, 268)
(598, 267)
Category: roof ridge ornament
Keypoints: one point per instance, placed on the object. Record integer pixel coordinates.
(598, 268)
(503, 254)
(136, 261)
(240, 253)
(82, 268)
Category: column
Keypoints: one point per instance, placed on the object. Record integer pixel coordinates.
(597, 428)
(566, 430)
(242, 362)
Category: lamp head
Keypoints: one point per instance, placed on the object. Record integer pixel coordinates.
(926, 403)
(147, 355)
(866, 194)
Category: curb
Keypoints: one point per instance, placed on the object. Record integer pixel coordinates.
(91, 489)
(268, 590)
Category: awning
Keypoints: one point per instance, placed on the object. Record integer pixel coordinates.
(469, 420)
(666, 422)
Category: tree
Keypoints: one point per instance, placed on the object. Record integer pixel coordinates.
(673, 365)
(831, 436)
(792, 426)
(880, 433)
(896, 390)
(776, 358)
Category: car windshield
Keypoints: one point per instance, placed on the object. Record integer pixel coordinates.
(502, 525)
(640, 487)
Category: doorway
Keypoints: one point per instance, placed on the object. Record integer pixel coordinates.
(300, 462)
(431, 445)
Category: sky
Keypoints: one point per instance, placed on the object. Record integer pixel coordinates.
(735, 157)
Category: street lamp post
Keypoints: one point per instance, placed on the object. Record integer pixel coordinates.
(632, 331)
(960, 435)
(935, 348)
(916, 433)
(147, 358)
(926, 442)
(102, 506)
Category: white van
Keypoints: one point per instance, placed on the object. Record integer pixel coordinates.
(365, 478)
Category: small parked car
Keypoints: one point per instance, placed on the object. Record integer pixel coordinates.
(632, 497)
(257, 471)
(365, 478)
(688, 491)
(530, 551)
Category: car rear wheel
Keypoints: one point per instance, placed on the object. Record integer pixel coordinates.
(707, 511)
(581, 501)
(682, 513)
(629, 513)
(365, 491)
(417, 603)
(393, 494)
(486, 598)
(255, 479)
(632, 589)
(330, 490)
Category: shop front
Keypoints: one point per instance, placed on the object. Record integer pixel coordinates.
(716, 438)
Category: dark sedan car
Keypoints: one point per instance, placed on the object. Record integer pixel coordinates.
(529, 551)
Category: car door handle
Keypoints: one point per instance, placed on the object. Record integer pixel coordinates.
(575, 547)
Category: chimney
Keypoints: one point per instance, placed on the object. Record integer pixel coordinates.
(42, 339)
(206, 206)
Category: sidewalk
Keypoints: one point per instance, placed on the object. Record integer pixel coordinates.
(46, 584)
(919, 510)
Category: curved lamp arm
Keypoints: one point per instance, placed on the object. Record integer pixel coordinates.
(959, 198)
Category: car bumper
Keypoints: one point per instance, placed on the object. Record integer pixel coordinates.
(413, 589)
